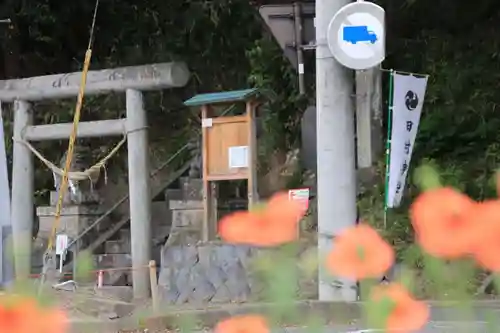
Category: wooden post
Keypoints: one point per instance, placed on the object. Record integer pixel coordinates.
(206, 182)
(212, 226)
(252, 152)
(154, 286)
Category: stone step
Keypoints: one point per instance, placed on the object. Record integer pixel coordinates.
(116, 260)
(124, 234)
(121, 293)
(122, 245)
(117, 247)
(160, 233)
(160, 213)
(187, 213)
(109, 302)
(117, 268)
(173, 194)
(192, 188)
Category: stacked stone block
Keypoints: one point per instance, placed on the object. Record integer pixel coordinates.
(217, 273)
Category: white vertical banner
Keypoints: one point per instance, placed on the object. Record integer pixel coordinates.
(5, 219)
(407, 102)
(4, 178)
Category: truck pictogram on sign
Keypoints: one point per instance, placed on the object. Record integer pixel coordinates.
(355, 34)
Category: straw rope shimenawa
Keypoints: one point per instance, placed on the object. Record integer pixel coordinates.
(91, 173)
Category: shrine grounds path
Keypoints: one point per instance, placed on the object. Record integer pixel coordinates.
(338, 318)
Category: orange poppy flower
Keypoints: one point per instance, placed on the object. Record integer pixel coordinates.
(281, 210)
(23, 315)
(442, 227)
(486, 217)
(274, 224)
(498, 182)
(243, 324)
(17, 315)
(406, 313)
(238, 227)
(54, 321)
(359, 252)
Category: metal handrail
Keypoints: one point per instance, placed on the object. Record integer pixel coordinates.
(126, 197)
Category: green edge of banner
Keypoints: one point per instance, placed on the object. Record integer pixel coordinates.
(388, 145)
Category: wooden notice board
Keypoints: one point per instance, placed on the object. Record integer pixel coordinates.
(228, 146)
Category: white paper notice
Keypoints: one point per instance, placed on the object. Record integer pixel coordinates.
(206, 122)
(238, 157)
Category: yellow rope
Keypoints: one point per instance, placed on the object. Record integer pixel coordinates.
(64, 184)
(91, 173)
(71, 145)
(72, 138)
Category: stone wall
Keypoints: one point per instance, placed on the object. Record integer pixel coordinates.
(216, 273)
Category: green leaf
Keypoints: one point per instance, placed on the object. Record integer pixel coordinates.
(427, 177)
(84, 266)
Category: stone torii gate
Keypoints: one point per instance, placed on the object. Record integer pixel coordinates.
(131, 80)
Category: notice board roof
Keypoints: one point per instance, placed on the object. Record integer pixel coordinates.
(221, 97)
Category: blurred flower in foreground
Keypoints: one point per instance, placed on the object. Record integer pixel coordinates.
(359, 252)
(23, 315)
(405, 314)
(486, 215)
(243, 324)
(442, 225)
(276, 223)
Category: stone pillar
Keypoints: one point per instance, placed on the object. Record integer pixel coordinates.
(140, 192)
(187, 217)
(187, 212)
(22, 192)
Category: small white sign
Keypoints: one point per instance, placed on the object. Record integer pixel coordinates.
(206, 122)
(61, 244)
(301, 69)
(238, 157)
(301, 195)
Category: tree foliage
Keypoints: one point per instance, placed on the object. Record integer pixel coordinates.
(226, 47)
(455, 43)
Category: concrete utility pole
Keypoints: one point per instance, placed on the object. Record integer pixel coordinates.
(336, 155)
(369, 117)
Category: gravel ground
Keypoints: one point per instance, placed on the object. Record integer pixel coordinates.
(432, 327)
(442, 320)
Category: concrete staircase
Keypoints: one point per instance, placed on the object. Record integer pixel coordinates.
(181, 203)
(104, 230)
